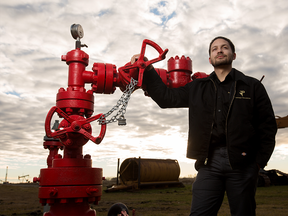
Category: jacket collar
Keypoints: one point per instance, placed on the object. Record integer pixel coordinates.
(237, 75)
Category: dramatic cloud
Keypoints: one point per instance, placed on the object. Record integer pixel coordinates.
(34, 35)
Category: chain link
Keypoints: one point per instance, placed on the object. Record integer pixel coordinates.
(122, 101)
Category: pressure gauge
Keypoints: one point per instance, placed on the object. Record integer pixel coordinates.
(77, 31)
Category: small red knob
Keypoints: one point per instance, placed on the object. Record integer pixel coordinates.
(63, 57)
(36, 179)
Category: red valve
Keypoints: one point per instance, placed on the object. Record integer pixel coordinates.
(141, 64)
(75, 125)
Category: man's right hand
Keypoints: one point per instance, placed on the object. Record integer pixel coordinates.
(135, 58)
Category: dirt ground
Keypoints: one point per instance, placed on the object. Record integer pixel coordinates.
(22, 199)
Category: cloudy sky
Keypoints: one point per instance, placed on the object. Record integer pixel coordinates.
(34, 35)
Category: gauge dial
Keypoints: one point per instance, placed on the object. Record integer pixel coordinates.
(77, 31)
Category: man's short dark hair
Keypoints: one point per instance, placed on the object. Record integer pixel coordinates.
(224, 38)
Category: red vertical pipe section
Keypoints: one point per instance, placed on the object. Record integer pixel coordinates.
(77, 61)
(70, 183)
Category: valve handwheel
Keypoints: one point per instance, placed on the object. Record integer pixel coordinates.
(141, 63)
(75, 125)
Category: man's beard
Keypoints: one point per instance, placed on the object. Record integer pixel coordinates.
(222, 62)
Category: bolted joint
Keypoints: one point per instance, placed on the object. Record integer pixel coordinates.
(87, 127)
(59, 156)
(75, 126)
(87, 156)
(53, 192)
(91, 190)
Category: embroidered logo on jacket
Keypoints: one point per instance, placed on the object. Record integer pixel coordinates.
(241, 93)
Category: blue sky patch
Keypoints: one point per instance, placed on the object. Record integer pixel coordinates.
(155, 11)
(164, 19)
(13, 93)
(103, 12)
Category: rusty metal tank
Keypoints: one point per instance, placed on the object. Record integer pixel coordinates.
(149, 170)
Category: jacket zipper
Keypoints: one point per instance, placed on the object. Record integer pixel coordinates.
(226, 123)
(212, 125)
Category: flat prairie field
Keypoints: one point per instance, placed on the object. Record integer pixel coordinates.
(22, 199)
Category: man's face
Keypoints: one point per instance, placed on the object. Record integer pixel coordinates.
(221, 53)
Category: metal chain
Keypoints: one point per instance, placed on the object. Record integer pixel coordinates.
(122, 101)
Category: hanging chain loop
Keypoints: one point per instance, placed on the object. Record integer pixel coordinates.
(123, 102)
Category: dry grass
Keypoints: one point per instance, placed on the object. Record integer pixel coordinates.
(23, 200)
(19, 199)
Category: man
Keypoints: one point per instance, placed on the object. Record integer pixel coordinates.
(232, 130)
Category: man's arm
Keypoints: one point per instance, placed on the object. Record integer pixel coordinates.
(159, 92)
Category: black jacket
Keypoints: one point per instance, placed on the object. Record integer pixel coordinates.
(250, 124)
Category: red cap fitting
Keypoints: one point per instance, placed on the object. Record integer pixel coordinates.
(179, 70)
